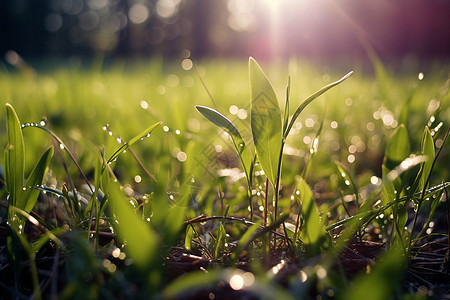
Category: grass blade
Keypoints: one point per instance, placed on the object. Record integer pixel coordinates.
(141, 135)
(265, 121)
(30, 195)
(188, 238)
(428, 150)
(14, 156)
(141, 240)
(398, 147)
(286, 107)
(146, 132)
(313, 231)
(239, 144)
(308, 100)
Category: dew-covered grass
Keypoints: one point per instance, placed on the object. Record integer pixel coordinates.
(188, 171)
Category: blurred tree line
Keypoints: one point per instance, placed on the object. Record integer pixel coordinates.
(266, 28)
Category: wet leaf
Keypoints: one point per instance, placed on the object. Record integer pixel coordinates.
(141, 135)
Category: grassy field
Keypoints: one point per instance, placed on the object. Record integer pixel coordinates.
(189, 195)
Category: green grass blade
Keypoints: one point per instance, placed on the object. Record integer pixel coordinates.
(265, 121)
(428, 150)
(239, 144)
(313, 230)
(286, 107)
(30, 195)
(141, 135)
(141, 240)
(14, 156)
(188, 238)
(308, 100)
(398, 147)
(62, 147)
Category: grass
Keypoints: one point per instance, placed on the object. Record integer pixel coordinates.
(362, 182)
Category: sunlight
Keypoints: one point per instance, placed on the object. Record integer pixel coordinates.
(278, 12)
(277, 4)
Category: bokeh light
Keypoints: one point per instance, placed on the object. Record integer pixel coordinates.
(268, 28)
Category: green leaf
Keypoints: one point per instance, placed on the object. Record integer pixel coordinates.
(142, 242)
(308, 100)
(29, 197)
(392, 182)
(14, 156)
(239, 144)
(141, 135)
(428, 150)
(313, 230)
(265, 121)
(188, 238)
(398, 147)
(286, 107)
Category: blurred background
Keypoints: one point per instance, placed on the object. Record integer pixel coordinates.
(323, 30)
